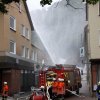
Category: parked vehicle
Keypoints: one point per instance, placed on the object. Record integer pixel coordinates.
(63, 78)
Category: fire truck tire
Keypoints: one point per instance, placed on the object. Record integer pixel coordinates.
(59, 99)
(77, 91)
(67, 94)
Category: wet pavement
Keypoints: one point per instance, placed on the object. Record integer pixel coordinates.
(80, 98)
(84, 93)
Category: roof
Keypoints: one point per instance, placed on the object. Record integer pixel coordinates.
(28, 14)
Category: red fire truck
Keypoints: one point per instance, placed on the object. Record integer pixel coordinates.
(63, 78)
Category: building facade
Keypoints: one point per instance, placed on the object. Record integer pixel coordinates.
(17, 56)
(40, 56)
(92, 32)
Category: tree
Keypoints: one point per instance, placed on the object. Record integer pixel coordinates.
(44, 2)
(3, 4)
(92, 1)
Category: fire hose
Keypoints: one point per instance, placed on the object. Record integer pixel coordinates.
(73, 92)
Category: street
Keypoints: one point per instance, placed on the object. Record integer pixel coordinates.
(84, 93)
(80, 98)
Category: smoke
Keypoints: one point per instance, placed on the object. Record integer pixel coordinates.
(60, 29)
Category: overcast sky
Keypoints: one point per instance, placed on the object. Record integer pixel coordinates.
(35, 4)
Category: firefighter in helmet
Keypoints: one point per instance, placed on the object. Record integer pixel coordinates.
(61, 88)
(98, 90)
(49, 90)
(5, 91)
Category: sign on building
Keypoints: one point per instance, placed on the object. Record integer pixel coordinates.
(82, 52)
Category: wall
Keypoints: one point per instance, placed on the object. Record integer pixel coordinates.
(94, 31)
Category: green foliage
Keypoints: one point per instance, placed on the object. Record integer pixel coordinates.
(3, 4)
(92, 1)
(3, 8)
(6, 1)
(44, 2)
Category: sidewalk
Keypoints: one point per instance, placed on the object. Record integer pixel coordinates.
(9, 98)
(85, 89)
(19, 96)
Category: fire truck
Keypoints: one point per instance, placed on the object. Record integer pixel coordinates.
(62, 78)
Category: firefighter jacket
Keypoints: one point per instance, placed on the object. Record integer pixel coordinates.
(5, 90)
(98, 90)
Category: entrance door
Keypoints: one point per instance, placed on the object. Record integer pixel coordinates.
(98, 73)
(0, 80)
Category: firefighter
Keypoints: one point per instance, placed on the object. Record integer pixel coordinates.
(47, 87)
(49, 90)
(54, 88)
(98, 90)
(61, 88)
(42, 88)
(5, 91)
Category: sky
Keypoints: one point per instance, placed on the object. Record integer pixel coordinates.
(35, 4)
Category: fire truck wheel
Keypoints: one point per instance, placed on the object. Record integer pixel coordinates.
(77, 91)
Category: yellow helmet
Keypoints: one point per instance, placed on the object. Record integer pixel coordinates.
(99, 83)
(5, 83)
(49, 83)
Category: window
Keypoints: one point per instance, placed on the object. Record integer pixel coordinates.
(25, 71)
(35, 56)
(22, 71)
(32, 57)
(99, 8)
(12, 23)
(23, 51)
(12, 47)
(27, 33)
(23, 30)
(27, 52)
